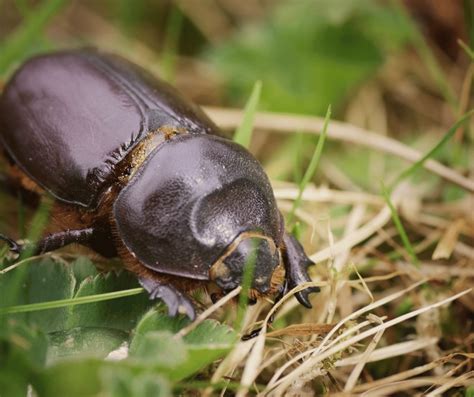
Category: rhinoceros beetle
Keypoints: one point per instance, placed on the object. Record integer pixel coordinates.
(139, 172)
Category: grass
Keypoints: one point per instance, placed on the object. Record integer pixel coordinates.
(433, 152)
(243, 134)
(20, 41)
(375, 328)
(69, 302)
(313, 164)
(401, 230)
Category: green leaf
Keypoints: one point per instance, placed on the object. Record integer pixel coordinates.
(44, 280)
(121, 314)
(203, 345)
(83, 268)
(77, 342)
(94, 377)
(158, 349)
(208, 342)
(156, 320)
(122, 382)
(211, 333)
(22, 353)
(310, 53)
(243, 135)
(78, 378)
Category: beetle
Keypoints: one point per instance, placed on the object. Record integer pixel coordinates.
(140, 172)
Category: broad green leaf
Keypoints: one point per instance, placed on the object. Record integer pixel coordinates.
(44, 280)
(77, 342)
(93, 377)
(206, 343)
(22, 353)
(75, 378)
(156, 320)
(159, 350)
(211, 333)
(83, 268)
(120, 314)
(122, 382)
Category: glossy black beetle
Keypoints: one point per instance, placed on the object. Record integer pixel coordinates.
(140, 172)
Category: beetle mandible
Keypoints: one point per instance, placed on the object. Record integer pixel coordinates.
(138, 171)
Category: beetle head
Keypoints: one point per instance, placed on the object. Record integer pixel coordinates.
(249, 250)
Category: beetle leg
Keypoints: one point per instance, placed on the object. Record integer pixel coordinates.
(175, 300)
(52, 241)
(61, 239)
(297, 268)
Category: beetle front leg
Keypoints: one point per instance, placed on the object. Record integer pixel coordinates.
(175, 300)
(297, 263)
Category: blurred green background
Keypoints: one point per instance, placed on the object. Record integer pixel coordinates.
(390, 66)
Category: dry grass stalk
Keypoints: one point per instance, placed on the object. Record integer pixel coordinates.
(355, 374)
(448, 242)
(277, 385)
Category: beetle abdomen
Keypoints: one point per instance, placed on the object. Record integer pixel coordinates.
(67, 119)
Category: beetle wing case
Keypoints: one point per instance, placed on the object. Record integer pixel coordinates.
(68, 118)
(190, 199)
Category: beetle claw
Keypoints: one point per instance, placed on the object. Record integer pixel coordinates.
(302, 296)
(297, 265)
(14, 247)
(176, 301)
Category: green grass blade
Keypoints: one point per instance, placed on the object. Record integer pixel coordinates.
(400, 228)
(18, 42)
(417, 165)
(247, 278)
(33, 307)
(243, 135)
(313, 165)
(467, 49)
